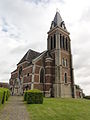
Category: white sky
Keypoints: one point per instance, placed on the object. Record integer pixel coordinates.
(24, 25)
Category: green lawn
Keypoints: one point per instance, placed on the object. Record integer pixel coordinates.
(1, 106)
(60, 109)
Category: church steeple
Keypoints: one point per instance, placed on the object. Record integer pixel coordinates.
(58, 44)
(58, 22)
(58, 34)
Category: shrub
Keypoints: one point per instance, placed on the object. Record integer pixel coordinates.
(25, 95)
(87, 97)
(1, 96)
(33, 96)
(4, 95)
(7, 94)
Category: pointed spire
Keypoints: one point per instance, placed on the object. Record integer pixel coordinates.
(58, 21)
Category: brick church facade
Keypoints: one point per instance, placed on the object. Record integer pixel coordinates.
(50, 71)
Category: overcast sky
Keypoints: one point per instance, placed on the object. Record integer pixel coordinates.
(24, 25)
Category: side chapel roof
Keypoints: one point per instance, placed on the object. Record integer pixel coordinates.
(29, 56)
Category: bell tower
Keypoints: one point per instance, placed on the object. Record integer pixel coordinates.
(58, 44)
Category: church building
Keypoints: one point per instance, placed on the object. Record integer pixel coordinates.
(50, 71)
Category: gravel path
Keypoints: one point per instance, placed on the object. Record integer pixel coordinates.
(14, 109)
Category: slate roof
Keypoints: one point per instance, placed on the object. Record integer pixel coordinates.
(29, 56)
(14, 71)
(58, 21)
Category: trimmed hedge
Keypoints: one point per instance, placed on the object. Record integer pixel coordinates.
(25, 96)
(4, 95)
(33, 96)
(1, 96)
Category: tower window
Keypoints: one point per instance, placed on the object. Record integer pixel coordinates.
(63, 42)
(28, 74)
(60, 41)
(51, 43)
(66, 63)
(66, 44)
(42, 75)
(54, 41)
(65, 77)
(69, 46)
(63, 62)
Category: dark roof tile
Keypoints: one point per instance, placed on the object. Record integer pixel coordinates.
(29, 56)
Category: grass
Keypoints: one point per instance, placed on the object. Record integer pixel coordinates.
(1, 106)
(60, 109)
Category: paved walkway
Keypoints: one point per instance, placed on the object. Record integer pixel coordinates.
(14, 109)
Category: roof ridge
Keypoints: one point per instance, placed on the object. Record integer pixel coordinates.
(32, 51)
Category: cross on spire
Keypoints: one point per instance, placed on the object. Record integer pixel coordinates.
(57, 10)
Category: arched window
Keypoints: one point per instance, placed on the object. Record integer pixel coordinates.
(20, 71)
(66, 63)
(54, 41)
(66, 44)
(69, 46)
(27, 74)
(60, 41)
(42, 75)
(63, 42)
(63, 62)
(51, 43)
(65, 77)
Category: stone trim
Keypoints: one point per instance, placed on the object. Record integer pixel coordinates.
(42, 83)
(65, 52)
(26, 75)
(48, 91)
(59, 29)
(38, 66)
(48, 60)
(27, 83)
(36, 59)
(38, 83)
(49, 67)
(27, 67)
(36, 74)
(65, 83)
(14, 72)
(33, 71)
(30, 74)
(49, 75)
(22, 63)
